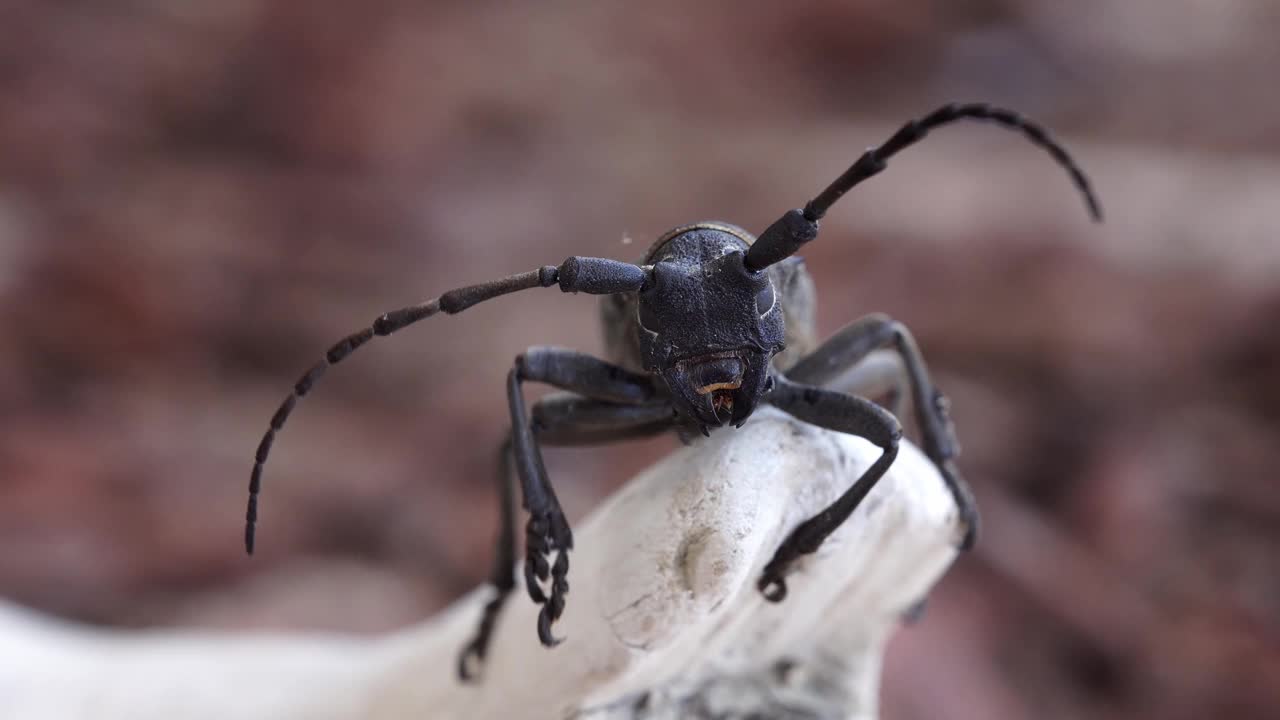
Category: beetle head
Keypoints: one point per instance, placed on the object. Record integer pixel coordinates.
(710, 329)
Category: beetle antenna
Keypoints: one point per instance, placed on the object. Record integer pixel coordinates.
(875, 159)
(577, 274)
(796, 227)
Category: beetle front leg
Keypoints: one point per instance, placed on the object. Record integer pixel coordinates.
(561, 419)
(834, 411)
(547, 531)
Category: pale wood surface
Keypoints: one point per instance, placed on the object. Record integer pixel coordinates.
(663, 605)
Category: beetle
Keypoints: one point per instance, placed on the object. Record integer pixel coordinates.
(696, 334)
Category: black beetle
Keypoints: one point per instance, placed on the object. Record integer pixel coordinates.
(696, 334)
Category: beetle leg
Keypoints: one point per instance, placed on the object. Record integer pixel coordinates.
(834, 411)
(502, 577)
(561, 419)
(618, 404)
(566, 419)
(857, 340)
(547, 529)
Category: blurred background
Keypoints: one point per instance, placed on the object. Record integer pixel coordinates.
(197, 198)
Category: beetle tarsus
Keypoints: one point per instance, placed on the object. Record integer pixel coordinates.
(772, 586)
(547, 582)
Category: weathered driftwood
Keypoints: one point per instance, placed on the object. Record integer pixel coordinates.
(663, 619)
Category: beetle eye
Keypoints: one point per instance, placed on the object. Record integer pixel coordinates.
(648, 300)
(648, 318)
(765, 299)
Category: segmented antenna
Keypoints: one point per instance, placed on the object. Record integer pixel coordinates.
(875, 159)
(451, 302)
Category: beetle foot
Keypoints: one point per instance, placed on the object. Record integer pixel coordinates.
(772, 586)
(805, 539)
(471, 659)
(915, 613)
(547, 582)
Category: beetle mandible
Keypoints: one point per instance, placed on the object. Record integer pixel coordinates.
(695, 333)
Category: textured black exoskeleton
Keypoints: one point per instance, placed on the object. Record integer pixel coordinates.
(696, 334)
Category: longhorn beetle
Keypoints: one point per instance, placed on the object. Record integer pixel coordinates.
(694, 334)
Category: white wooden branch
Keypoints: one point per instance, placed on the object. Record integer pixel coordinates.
(663, 618)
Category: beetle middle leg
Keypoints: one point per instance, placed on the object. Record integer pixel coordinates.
(617, 403)
(857, 340)
(880, 376)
